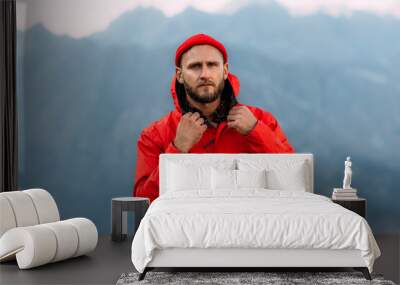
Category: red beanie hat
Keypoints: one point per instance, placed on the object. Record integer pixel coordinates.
(199, 39)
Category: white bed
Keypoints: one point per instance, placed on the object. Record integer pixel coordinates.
(248, 210)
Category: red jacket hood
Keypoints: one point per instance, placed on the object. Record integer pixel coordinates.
(232, 79)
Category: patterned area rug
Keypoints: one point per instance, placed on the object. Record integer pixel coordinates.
(229, 278)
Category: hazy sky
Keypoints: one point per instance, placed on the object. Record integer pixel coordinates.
(79, 18)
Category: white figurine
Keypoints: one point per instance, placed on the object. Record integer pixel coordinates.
(347, 174)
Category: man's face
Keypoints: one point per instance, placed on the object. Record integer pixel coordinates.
(203, 73)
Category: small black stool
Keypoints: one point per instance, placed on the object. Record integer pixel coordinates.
(119, 208)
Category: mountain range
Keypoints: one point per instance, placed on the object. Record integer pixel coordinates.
(332, 83)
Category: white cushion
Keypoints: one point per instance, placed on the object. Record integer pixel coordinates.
(7, 219)
(32, 246)
(223, 179)
(288, 179)
(251, 178)
(281, 174)
(23, 208)
(40, 244)
(46, 207)
(188, 177)
(67, 240)
(87, 232)
(230, 180)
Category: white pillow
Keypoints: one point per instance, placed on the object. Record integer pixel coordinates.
(251, 178)
(223, 179)
(188, 177)
(282, 174)
(229, 179)
(287, 179)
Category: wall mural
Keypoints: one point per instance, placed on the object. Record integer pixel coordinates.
(85, 94)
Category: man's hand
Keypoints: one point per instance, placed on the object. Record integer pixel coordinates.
(241, 119)
(189, 131)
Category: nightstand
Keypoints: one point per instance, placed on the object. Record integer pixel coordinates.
(358, 205)
(119, 208)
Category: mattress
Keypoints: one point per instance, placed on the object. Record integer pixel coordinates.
(251, 219)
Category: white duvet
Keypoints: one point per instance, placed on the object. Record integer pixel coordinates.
(251, 218)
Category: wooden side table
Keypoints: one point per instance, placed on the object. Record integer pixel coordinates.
(119, 218)
(358, 205)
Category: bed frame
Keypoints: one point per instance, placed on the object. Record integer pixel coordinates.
(250, 258)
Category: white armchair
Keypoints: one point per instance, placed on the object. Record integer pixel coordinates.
(31, 230)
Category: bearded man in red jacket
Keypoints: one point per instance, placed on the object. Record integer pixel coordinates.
(207, 116)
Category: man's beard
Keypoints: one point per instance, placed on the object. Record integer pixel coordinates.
(210, 97)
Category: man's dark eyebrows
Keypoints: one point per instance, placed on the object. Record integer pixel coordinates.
(193, 63)
(215, 62)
